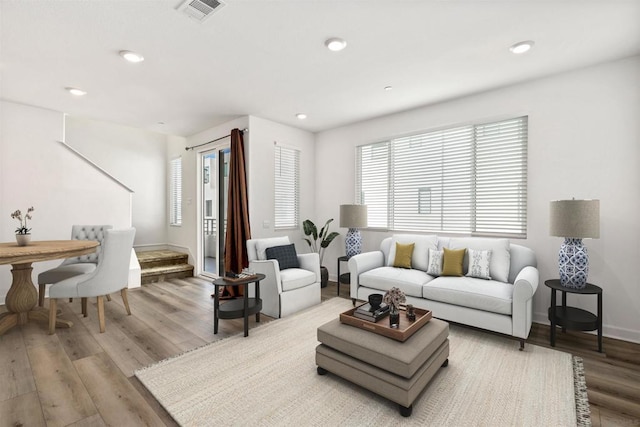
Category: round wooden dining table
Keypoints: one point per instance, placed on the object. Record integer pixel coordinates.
(22, 297)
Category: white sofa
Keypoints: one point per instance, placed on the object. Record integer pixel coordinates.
(284, 292)
(502, 304)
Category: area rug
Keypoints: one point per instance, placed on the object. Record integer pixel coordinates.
(269, 378)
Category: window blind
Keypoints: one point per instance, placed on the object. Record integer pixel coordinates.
(175, 192)
(466, 179)
(287, 187)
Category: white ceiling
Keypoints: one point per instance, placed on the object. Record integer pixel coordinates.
(267, 58)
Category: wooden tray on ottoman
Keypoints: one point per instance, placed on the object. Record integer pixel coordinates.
(402, 333)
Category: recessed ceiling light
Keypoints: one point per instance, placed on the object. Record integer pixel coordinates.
(75, 91)
(387, 88)
(522, 47)
(301, 116)
(335, 44)
(131, 56)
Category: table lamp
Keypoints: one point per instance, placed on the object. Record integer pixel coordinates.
(353, 217)
(574, 220)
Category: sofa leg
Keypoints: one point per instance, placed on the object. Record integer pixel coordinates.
(521, 344)
(353, 301)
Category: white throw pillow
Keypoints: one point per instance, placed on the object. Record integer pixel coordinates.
(263, 244)
(420, 256)
(479, 263)
(500, 255)
(435, 263)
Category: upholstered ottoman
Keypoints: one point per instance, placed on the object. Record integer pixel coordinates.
(396, 370)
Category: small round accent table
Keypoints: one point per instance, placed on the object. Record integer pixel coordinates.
(235, 309)
(572, 317)
(344, 277)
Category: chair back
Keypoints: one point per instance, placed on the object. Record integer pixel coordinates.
(88, 232)
(112, 272)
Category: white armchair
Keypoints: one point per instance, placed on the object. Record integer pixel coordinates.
(284, 292)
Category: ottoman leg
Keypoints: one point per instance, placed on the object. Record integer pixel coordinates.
(404, 411)
(445, 363)
(321, 371)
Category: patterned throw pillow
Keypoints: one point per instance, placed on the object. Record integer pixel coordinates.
(452, 264)
(285, 255)
(403, 255)
(479, 264)
(435, 263)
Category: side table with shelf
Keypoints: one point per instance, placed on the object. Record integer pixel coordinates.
(572, 317)
(345, 277)
(238, 308)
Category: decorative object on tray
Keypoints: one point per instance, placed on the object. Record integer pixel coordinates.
(23, 235)
(394, 297)
(371, 313)
(411, 313)
(311, 231)
(375, 300)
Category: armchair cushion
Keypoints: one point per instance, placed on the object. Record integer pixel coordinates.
(295, 278)
(285, 255)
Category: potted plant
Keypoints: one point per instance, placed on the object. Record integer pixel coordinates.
(318, 242)
(23, 235)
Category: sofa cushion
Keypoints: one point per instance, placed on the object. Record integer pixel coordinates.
(263, 244)
(452, 262)
(295, 278)
(435, 262)
(409, 281)
(285, 255)
(420, 256)
(403, 255)
(500, 256)
(479, 264)
(487, 295)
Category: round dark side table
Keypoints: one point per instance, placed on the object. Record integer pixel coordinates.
(344, 277)
(235, 309)
(572, 317)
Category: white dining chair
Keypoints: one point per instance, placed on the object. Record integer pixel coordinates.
(111, 275)
(75, 266)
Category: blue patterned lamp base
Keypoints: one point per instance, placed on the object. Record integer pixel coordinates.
(574, 264)
(353, 242)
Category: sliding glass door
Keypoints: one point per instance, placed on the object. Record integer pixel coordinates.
(214, 184)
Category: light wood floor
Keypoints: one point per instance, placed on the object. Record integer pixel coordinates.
(80, 377)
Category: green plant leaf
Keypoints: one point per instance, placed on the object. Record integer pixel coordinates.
(327, 241)
(310, 229)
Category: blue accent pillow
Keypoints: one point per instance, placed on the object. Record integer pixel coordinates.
(285, 255)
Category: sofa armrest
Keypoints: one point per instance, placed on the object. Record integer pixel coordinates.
(524, 287)
(270, 286)
(311, 262)
(361, 263)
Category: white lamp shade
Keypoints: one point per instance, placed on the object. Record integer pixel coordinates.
(353, 216)
(575, 218)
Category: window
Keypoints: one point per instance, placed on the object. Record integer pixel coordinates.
(287, 187)
(467, 179)
(175, 192)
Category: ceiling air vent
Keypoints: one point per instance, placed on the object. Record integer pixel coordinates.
(200, 9)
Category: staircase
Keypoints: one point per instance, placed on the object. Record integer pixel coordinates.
(162, 265)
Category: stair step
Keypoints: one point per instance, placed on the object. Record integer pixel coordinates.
(150, 259)
(162, 273)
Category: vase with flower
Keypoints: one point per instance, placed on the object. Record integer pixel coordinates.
(23, 232)
(393, 298)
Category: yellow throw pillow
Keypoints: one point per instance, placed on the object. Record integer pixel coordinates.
(452, 263)
(403, 255)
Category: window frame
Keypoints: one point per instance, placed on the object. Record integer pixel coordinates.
(175, 192)
(286, 193)
(395, 171)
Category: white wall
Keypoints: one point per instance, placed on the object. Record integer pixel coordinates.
(36, 170)
(259, 147)
(584, 142)
(137, 158)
